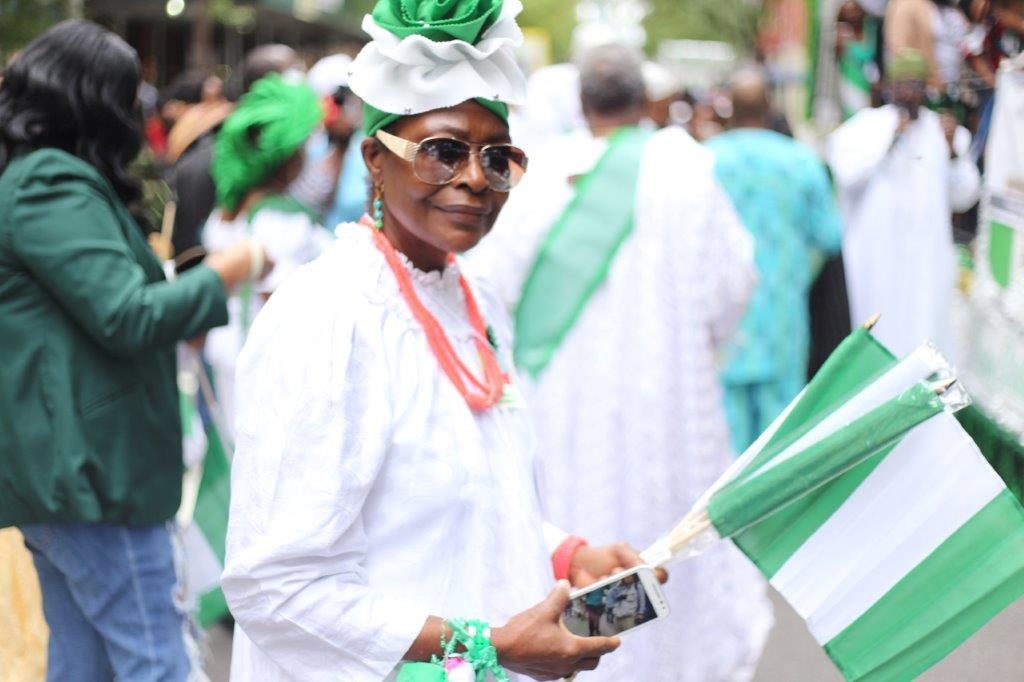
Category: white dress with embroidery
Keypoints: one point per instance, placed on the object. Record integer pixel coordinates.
(629, 416)
(366, 495)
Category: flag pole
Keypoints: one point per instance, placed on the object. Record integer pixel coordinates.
(692, 526)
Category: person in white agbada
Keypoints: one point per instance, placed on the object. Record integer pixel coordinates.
(620, 374)
(901, 172)
(383, 484)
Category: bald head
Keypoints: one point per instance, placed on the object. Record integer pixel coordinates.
(751, 106)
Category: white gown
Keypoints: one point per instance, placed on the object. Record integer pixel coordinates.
(366, 495)
(897, 200)
(629, 417)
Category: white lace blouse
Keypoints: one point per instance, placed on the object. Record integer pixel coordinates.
(366, 495)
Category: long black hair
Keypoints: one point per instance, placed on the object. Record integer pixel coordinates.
(74, 88)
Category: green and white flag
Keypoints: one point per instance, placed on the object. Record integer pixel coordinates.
(873, 513)
(203, 515)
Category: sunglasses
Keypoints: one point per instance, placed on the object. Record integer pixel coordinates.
(440, 160)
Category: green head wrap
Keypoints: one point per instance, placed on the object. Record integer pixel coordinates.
(908, 65)
(272, 121)
(374, 119)
(440, 21)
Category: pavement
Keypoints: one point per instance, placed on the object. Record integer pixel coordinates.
(994, 654)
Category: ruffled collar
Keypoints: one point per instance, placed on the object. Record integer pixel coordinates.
(440, 291)
(437, 279)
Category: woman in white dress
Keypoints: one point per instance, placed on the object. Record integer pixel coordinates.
(383, 480)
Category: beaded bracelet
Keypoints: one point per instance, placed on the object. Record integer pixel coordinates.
(474, 636)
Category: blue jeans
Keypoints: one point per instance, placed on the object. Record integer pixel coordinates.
(112, 601)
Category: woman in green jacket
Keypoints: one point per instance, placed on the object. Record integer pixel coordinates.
(90, 434)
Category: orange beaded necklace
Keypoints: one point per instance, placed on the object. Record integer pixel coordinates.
(479, 395)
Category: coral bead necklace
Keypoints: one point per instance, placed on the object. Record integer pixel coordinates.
(479, 395)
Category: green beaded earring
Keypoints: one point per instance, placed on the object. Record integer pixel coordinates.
(378, 208)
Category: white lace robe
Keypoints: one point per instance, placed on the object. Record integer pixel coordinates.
(629, 417)
(366, 495)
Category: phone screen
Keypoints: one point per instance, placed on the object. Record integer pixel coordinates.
(610, 609)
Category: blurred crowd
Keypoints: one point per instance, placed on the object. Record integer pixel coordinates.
(182, 121)
(962, 42)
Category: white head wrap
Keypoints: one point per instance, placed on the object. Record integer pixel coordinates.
(329, 74)
(414, 74)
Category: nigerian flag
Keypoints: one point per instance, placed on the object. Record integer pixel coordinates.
(203, 515)
(873, 513)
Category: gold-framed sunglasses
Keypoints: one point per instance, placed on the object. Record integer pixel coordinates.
(440, 160)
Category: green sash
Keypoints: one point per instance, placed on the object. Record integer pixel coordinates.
(574, 258)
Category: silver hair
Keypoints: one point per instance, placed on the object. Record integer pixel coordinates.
(611, 80)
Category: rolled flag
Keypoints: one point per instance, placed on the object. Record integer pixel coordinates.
(757, 493)
(872, 512)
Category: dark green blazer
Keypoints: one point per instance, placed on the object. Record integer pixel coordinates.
(90, 428)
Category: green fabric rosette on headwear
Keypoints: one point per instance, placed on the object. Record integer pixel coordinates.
(439, 21)
(272, 121)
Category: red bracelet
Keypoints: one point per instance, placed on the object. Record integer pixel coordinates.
(561, 560)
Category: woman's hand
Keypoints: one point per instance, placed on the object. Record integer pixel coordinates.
(537, 644)
(197, 342)
(949, 126)
(590, 564)
(234, 265)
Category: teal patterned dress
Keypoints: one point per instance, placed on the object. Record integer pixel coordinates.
(784, 197)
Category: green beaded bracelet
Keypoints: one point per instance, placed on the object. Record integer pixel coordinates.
(474, 636)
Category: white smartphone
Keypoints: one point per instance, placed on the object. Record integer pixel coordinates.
(620, 603)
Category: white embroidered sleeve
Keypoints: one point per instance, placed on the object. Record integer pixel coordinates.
(553, 536)
(313, 426)
(858, 147)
